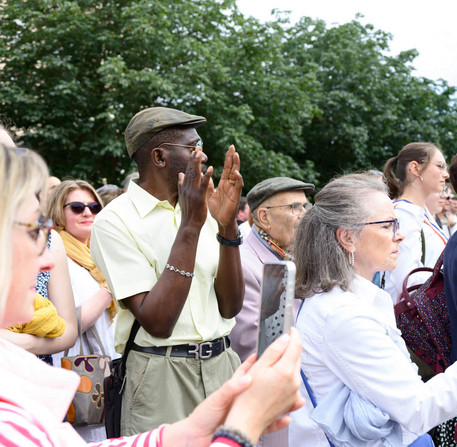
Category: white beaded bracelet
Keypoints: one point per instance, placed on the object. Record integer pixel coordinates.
(182, 272)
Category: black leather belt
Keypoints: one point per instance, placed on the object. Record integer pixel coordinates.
(204, 350)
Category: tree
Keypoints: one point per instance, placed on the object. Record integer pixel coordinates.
(76, 72)
(304, 101)
(370, 105)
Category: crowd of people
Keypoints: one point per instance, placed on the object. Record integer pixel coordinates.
(184, 259)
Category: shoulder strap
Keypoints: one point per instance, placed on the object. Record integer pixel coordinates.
(97, 338)
(135, 327)
(423, 246)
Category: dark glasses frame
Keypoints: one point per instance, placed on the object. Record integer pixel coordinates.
(79, 207)
(395, 222)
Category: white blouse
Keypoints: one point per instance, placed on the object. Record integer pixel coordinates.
(84, 286)
(412, 219)
(351, 338)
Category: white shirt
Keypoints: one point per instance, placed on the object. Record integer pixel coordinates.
(245, 229)
(351, 338)
(449, 230)
(84, 286)
(131, 241)
(412, 219)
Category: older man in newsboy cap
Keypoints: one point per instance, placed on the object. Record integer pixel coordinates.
(173, 267)
(276, 204)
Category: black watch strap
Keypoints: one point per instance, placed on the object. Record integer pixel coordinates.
(230, 242)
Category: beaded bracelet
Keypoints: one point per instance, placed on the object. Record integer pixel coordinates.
(224, 431)
(183, 273)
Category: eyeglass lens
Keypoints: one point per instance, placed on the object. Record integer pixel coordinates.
(42, 239)
(79, 207)
(45, 226)
(396, 226)
(297, 208)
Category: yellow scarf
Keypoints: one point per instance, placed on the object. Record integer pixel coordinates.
(80, 253)
(45, 321)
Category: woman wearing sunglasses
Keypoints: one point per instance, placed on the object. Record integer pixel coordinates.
(72, 206)
(366, 389)
(34, 396)
(416, 172)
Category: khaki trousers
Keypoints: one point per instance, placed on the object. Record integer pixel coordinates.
(163, 389)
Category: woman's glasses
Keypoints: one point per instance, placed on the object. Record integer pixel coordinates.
(394, 223)
(39, 231)
(79, 207)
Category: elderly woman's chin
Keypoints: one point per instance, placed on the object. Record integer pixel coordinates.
(390, 264)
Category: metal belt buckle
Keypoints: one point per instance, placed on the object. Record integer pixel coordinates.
(198, 352)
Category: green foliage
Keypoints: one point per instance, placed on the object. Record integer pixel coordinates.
(370, 104)
(304, 101)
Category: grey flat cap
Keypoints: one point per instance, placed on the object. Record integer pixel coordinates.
(271, 186)
(145, 124)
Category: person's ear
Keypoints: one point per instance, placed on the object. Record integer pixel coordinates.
(415, 168)
(264, 218)
(159, 157)
(346, 238)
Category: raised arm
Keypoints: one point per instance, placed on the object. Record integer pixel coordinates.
(223, 205)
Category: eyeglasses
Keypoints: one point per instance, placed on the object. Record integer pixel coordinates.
(297, 207)
(442, 166)
(39, 231)
(79, 207)
(198, 143)
(395, 223)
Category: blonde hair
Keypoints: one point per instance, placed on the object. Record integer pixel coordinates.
(22, 173)
(58, 199)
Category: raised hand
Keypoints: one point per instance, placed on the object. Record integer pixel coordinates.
(274, 389)
(223, 202)
(193, 190)
(253, 400)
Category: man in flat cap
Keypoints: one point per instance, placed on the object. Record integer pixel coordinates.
(276, 204)
(173, 267)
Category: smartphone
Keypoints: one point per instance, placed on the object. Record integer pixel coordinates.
(277, 294)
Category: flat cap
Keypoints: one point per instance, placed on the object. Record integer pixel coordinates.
(271, 186)
(145, 124)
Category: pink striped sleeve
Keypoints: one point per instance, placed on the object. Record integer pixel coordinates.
(19, 429)
(148, 439)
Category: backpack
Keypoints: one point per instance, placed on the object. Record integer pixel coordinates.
(422, 316)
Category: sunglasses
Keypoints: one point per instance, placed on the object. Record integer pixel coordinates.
(79, 207)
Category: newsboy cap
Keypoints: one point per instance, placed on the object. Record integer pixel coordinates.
(145, 124)
(271, 186)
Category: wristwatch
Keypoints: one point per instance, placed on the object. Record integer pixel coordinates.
(230, 242)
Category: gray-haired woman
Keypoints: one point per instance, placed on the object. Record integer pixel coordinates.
(368, 392)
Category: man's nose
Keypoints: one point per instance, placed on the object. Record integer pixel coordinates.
(205, 157)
